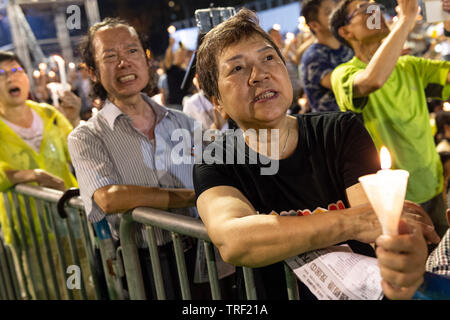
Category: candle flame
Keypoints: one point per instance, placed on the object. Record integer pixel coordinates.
(385, 158)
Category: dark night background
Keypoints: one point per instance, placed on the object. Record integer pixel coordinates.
(154, 16)
(150, 17)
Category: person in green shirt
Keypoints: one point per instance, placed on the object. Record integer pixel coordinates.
(390, 92)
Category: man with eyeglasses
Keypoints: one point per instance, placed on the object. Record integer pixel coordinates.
(390, 92)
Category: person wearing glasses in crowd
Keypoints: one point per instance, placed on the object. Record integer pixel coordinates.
(390, 92)
(33, 144)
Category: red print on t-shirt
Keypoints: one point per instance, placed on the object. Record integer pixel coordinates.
(332, 206)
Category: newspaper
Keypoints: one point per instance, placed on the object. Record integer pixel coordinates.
(337, 273)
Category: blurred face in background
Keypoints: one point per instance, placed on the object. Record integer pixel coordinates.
(14, 84)
(321, 25)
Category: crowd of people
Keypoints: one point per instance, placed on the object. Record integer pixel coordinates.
(310, 113)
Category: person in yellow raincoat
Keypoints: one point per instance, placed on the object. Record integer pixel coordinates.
(33, 149)
(33, 137)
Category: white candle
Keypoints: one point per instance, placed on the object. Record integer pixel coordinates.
(386, 192)
(52, 86)
(62, 70)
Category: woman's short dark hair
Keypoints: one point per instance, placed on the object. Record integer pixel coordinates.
(88, 54)
(338, 19)
(10, 56)
(239, 27)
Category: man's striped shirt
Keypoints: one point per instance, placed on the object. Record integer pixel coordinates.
(109, 150)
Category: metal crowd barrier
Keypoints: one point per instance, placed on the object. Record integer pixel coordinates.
(39, 228)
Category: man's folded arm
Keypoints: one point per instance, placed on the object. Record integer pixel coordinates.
(121, 198)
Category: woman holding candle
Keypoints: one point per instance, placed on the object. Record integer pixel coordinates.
(312, 198)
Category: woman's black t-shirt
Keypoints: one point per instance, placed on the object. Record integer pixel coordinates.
(333, 151)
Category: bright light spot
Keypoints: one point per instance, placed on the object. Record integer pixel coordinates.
(446, 106)
(51, 74)
(302, 26)
(36, 73)
(171, 4)
(302, 101)
(72, 65)
(385, 158)
(276, 27)
(438, 48)
(171, 29)
(42, 66)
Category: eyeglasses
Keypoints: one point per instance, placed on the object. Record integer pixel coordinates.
(367, 8)
(4, 73)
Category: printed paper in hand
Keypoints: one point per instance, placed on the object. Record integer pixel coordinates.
(337, 273)
(434, 11)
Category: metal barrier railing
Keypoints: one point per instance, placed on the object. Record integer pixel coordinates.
(39, 228)
(177, 225)
(44, 244)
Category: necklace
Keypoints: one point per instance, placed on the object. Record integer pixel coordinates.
(285, 142)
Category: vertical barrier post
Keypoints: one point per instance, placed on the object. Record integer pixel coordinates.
(6, 273)
(250, 288)
(63, 265)
(181, 266)
(24, 242)
(10, 260)
(17, 247)
(47, 248)
(35, 241)
(87, 242)
(212, 271)
(291, 282)
(156, 264)
(131, 258)
(75, 256)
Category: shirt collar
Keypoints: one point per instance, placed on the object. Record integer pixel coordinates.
(111, 112)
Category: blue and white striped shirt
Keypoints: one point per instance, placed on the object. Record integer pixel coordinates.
(109, 150)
